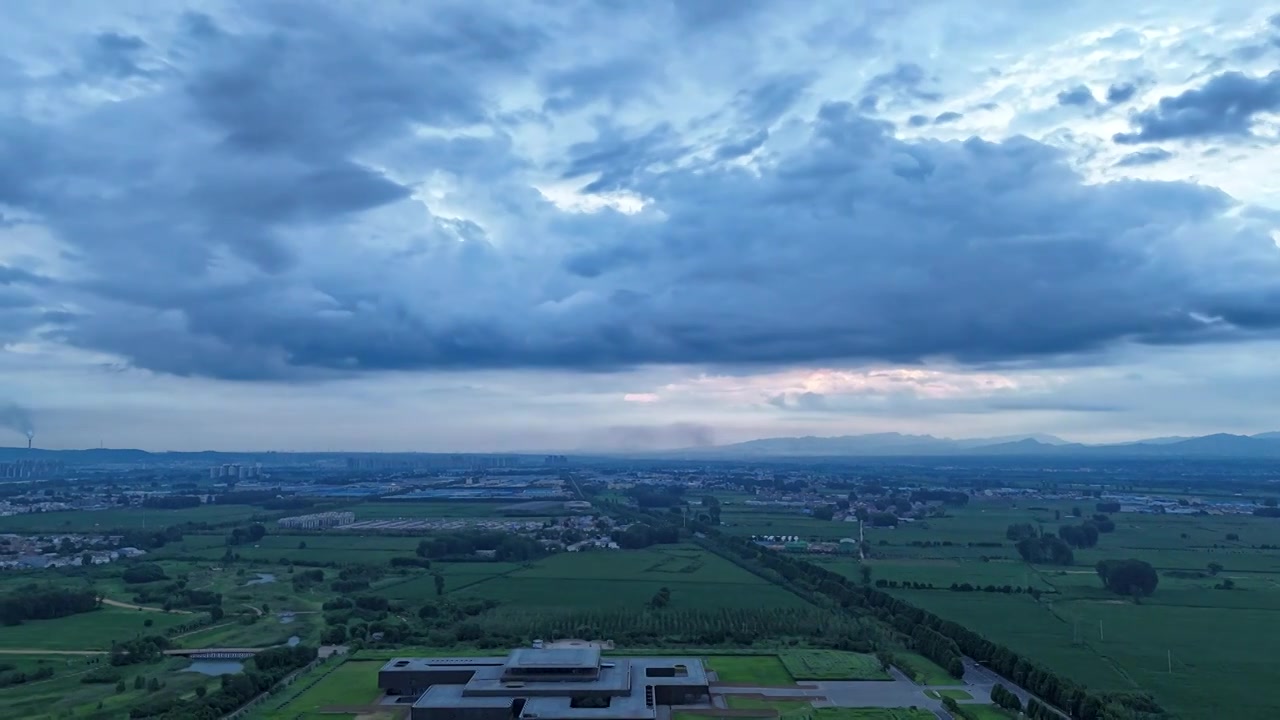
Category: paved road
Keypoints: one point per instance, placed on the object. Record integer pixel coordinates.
(978, 676)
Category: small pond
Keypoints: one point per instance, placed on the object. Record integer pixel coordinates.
(262, 579)
(215, 667)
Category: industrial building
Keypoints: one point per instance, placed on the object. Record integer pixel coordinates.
(317, 521)
(544, 683)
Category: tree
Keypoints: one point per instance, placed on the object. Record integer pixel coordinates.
(1076, 511)
(660, 599)
(139, 682)
(885, 660)
(865, 572)
(1020, 531)
(256, 532)
(1046, 549)
(120, 687)
(1215, 568)
(302, 544)
(824, 512)
(215, 613)
(439, 580)
(201, 691)
(956, 667)
(1128, 577)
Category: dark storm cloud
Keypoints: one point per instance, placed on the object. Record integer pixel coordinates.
(1150, 156)
(1079, 96)
(17, 276)
(947, 117)
(619, 156)
(928, 260)
(745, 146)
(1121, 92)
(215, 223)
(904, 81)
(768, 101)
(1224, 106)
(115, 54)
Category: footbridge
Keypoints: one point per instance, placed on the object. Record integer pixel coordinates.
(215, 653)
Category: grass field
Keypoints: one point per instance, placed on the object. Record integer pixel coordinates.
(331, 547)
(1188, 644)
(64, 696)
(354, 682)
(923, 670)
(831, 665)
(760, 669)
(87, 631)
(608, 579)
(124, 518)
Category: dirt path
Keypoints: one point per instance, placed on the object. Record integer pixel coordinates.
(206, 628)
(36, 651)
(127, 606)
(254, 609)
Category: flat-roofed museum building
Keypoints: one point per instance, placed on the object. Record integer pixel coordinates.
(547, 684)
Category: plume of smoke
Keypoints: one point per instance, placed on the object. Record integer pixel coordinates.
(652, 437)
(17, 418)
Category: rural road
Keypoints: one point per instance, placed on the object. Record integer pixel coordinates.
(127, 606)
(37, 651)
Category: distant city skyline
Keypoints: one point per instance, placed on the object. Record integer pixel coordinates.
(613, 226)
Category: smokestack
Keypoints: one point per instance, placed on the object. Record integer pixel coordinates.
(31, 434)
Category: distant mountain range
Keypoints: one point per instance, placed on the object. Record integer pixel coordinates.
(1262, 445)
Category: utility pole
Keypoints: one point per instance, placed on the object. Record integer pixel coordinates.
(1170, 657)
(1100, 636)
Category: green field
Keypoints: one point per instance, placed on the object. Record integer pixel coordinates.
(756, 669)
(86, 631)
(923, 670)
(1188, 644)
(610, 579)
(89, 521)
(64, 696)
(831, 665)
(354, 682)
(331, 547)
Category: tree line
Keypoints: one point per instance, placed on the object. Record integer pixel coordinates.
(905, 617)
(45, 602)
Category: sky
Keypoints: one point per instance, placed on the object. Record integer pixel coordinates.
(596, 224)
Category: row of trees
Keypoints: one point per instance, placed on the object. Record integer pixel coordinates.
(1046, 550)
(37, 602)
(506, 547)
(938, 648)
(1005, 698)
(905, 617)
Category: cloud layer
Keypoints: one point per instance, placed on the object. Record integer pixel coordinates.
(277, 191)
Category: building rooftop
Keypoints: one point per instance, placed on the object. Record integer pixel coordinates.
(579, 658)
